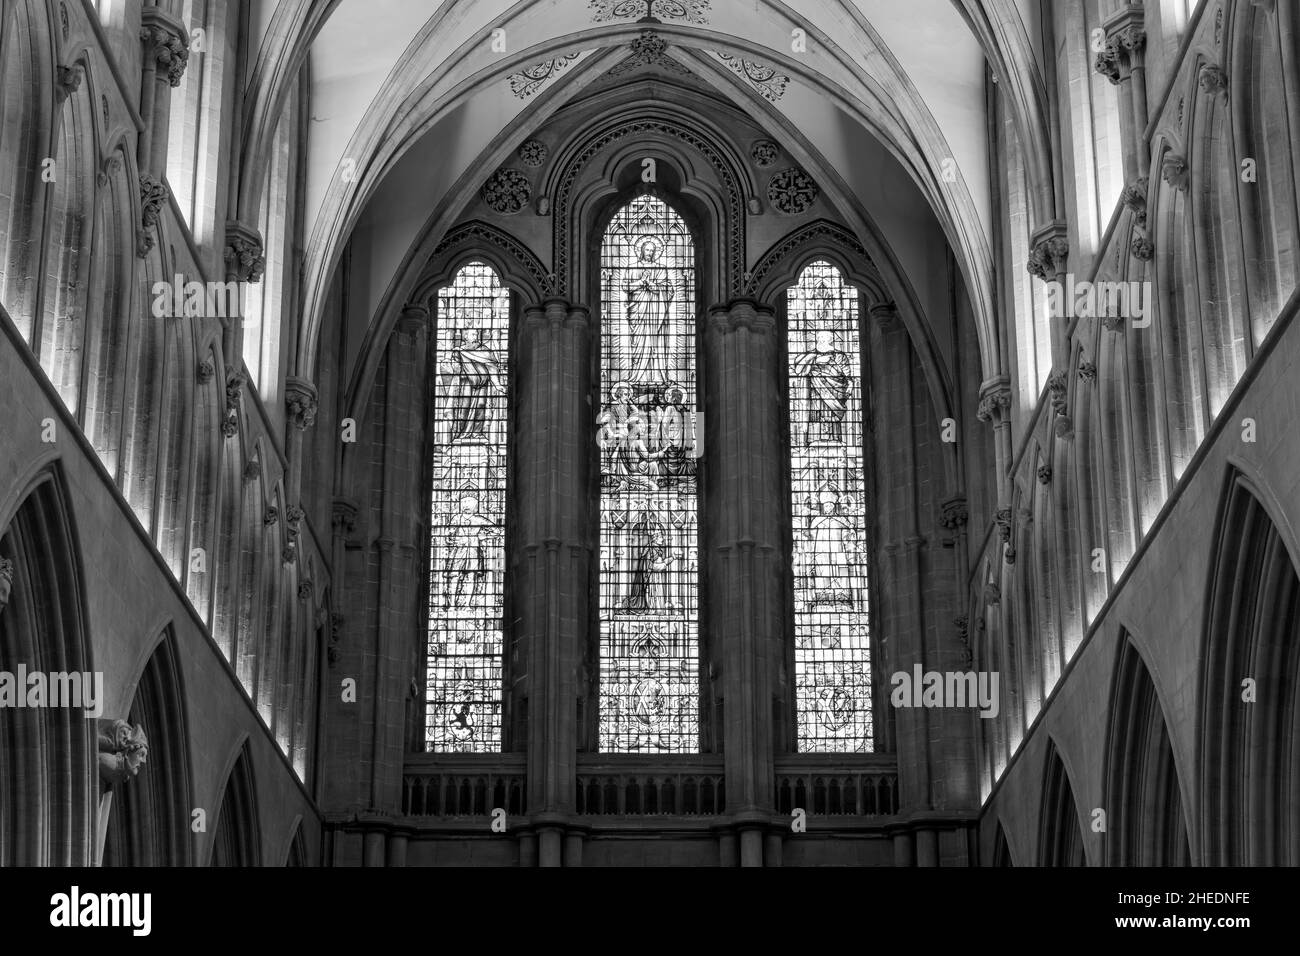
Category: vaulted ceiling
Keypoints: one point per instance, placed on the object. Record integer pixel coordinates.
(409, 102)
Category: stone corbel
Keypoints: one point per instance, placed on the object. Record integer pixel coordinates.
(123, 750)
(243, 253)
(1173, 170)
(1135, 199)
(1002, 518)
(1212, 79)
(344, 517)
(995, 400)
(293, 519)
(1049, 250)
(67, 80)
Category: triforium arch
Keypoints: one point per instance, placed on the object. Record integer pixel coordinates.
(149, 822)
(1147, 819)
(236, 825)
(1249, 686)
(1060, 828)
(47, 754)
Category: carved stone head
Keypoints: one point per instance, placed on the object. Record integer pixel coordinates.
(123, 750)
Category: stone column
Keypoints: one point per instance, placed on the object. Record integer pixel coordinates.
(300, 406)
(744, 509)
(407, 362)
(1049, 250)
(244, 263)
(1123, 63)
(551, 558)
(166, 54)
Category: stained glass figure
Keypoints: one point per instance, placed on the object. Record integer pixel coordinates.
(832, 636)
(467, 547)
(647, 434)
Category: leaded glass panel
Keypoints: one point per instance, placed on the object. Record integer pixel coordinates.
(832, 635)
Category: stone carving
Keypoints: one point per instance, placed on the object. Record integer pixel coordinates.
(1123, 47)
(234, 385)
(953, 513)
(792, 191)
(170, 48)
(1044, 474)
(6, 581)
(1135, 198)
(995, 399)
(305, 588)
(962, 624)
(1142, 247)
(1087, 371)
(344, 516)
(123, 750)
(1047, 257)
(300, 402)
(524, 83)
(507, 191)
(532, 152)
(691, 11)
(1173, 170)
(252, 470)
(153, 193)
(336, 631)
(764, 153)
(1002, 519)
(992, 593)
(767, 81)
(67, 80)
(649, 49)
(271, 515)
(1057, 390)
(1212, 79)
(243, 253)
(293, 516)
(205, 371)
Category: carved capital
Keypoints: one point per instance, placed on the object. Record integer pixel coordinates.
(995, 399)
(300, 402)
(413, 319)
(953, 513)
(1002, 519)
(123, 750)
(1048, 252)
(886, 316)
(1135, 199)
(1142, 247)
(167, 42)
(243, 253)
(344, 516)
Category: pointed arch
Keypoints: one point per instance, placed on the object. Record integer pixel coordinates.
(48, 792)
(1250, 748)
(149, 820)
(1146, 824)
(1060, 830)
(237, 837)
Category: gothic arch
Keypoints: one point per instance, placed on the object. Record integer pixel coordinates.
(1001, 848)
(514, 263)
(1146, 823)
(48, 799)
(1250, 745)
(237, 835)
(149, 820)
(295, 853)
(1060, 830)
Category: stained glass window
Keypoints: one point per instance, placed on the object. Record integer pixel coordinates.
(649, 648)
(832, 650)
(467, 552)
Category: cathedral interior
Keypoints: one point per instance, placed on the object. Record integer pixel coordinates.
(649, 432)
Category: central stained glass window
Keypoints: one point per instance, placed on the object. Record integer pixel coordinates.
(647, 434)
(832, 654)
(467, 547)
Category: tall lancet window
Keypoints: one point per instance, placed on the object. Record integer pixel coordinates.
(649, 570)
(832, 657)
(467, 543)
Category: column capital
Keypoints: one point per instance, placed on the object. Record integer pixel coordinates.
(300, 401)
(953, 513)
(995, 399)
(244, 258)
(167, 41)
(886, 315)
(1049, 249)
(344, 516)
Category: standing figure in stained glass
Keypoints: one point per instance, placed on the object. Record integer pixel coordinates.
(472, 373)
(650, 292)
(468, 537)
(623, 437)
(828, 378)
(648, 587)
(833, 557)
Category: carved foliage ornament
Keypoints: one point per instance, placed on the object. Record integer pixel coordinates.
(530, 79)
(792, 191)
(764, 153)
(532, 153)
(507, 191)
(769, 83)
(691, 11)
(243, 253)
(6, 581)
(1048, 257)
(153, 193)
(170, 48)
(234, 385)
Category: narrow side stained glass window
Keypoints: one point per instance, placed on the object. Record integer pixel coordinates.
(832, 654)
(649, 644)
(467, 540)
